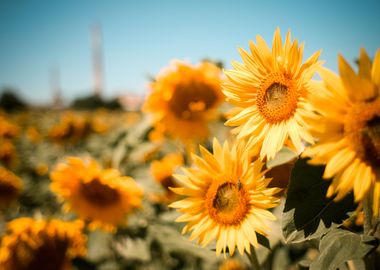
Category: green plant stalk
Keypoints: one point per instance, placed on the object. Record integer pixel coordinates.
(253, 259)
(367, 209)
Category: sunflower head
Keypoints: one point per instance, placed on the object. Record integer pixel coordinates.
(7, 129)
(349, 131)
(41, 244)
(100, 196)
(99, 123)
(184, 99)
(162, 171)
(71, 127)
(33, 135)
(227, 198)
(10, 187)
(271, 90)
(232, 264)
(8, 155)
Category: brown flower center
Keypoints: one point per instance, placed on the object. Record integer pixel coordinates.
(99, 194)
(227, 203)
(226, 199)
(7, 193)
(51, 256)
(362, 127)
(371, 141)
(191, 99)
(277, 98)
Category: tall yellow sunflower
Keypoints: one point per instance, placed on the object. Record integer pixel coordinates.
(10, 187)
(184, 98)
(101, 196)
(348, 128)
(271, 90)
(226, 198)
(40, 244)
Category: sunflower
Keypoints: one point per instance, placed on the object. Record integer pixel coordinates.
(71, 127)
(7, 129)
(10, 187)
(232, 264)
(41, 244)
(163, 169)
(184, 99)
(271, 90)
(33, 135)
(349, 131)
(101, 196)
(8, 155)
(227, 198)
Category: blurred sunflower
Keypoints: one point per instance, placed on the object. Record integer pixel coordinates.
(99, 123)
(102, 197)
(7, 129)
(72, 127)
(232, 264)
(271, 91)
(40, 244)
(33, 135)
(41, 169)
(162, 171)
(8, 154)
(184, 98)
(349, 131)
(227, 198)
(10, 187)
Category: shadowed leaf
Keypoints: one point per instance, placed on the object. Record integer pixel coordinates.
(306, 204)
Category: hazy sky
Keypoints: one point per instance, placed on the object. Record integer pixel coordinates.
(141, 37)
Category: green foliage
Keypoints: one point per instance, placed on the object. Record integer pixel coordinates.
(10, 101)
(308, 213)
(339, 246)
(95, 102)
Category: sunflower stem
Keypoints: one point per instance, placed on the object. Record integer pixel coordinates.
(367, 209)
(253, 259)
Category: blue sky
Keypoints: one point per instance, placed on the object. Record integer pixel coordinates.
(141, 37)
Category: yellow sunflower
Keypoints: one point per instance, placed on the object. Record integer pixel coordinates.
(227, 198)
(271, 90)
(7, 129)
(232, 264)
(348, 129)
(101, 196)
(10, 187)
(33, 135)
(71, 127)
(184, 98)
(162, 171)
(8, 154)
(40, 244)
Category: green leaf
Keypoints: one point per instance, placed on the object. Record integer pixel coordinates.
(339, 246)
(172, 240)
(262, 240)
(306, 204)
(133, 249)
(284, 156)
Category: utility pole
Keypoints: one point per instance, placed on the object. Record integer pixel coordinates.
(55, 87)
(97, 59)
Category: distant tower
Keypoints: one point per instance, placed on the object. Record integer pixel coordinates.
(97, 59)
(55, 87)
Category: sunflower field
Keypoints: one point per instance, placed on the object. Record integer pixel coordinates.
(274, 164)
